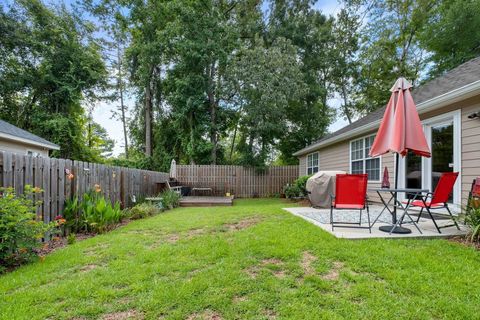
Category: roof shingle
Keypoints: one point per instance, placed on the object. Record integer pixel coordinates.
(10, 129)
(458, 77)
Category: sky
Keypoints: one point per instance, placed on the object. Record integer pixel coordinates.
(102, 113)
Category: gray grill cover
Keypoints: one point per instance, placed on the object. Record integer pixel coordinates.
(320, 186)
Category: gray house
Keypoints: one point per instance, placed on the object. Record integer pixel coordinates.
(449, 107)
(16, 140)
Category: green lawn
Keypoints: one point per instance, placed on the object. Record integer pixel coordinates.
(252, 260)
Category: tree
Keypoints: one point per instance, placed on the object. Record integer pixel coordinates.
(452, 34)
(110, 23)
(389, 47)
(311, 33)
(346, 45)
(50, 67)
(262, 73)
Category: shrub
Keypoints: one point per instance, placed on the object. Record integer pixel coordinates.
(143, 210)
(171, 199)
(301, 183)
(292, 191)
(472, 219)
(297, 188)
(20, 232)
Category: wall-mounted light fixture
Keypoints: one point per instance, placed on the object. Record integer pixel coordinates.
(475, 115)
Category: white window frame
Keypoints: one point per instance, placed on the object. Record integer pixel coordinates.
(364, 158)
(307, 163)
(32, 153)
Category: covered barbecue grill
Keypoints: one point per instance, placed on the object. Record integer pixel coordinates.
(320, 186)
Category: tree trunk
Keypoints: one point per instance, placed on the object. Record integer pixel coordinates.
(122, 105)
(192, 138)
(213, 111)
(345, 105)
(148, 116)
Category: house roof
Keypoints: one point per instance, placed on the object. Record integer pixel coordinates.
(11, 132)
(466, 74)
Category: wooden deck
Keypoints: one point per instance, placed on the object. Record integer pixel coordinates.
(205, 201)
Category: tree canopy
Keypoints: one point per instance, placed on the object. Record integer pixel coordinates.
(216, 81)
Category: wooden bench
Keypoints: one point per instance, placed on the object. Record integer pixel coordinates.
(202, 190)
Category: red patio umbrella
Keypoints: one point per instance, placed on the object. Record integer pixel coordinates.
(400, 129)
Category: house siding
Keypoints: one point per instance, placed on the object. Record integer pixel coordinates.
(470, 146)
(302, 165)
(20, 148)
(337, 157)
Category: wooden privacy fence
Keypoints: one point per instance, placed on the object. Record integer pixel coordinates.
(243, 182)
(52, 175)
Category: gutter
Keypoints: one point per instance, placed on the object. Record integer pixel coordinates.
(49, 146)
(462, 93)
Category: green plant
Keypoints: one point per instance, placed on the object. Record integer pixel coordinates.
(297, 188)
(71, 238)
(171, 199)
(292, 191)
(472, 219)
(143, 210)
(98, 213)
(94, 213)
(20, 232)
(301, 183)
(71, 213)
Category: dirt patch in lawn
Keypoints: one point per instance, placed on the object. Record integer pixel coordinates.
(195, 232)
(205, 315)
(274, 261)
(307, 260)
(173, 238)
(88, 267)
(269, 314)
(239, 299)
(123, 315)
(242, 224)
(334, 272)
(253, 271)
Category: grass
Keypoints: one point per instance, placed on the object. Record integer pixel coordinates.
(252, 260)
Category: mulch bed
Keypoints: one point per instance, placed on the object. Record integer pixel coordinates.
(466, 242)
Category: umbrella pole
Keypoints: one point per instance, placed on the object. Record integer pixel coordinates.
(394, 215)
(399, 229)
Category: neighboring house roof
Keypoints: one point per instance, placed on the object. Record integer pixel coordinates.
(11, 132)
(462, 81)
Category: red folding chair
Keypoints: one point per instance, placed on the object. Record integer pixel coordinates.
(350, 194)
(438, 199)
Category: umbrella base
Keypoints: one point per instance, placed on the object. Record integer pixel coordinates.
(398, 229)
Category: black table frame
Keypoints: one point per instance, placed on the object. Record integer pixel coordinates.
(417, 193)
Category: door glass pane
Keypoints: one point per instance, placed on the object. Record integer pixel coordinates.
(442, 152)
(413, 169)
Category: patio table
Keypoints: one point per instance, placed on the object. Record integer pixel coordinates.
(397, 223)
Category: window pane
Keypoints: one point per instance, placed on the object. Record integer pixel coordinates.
(373, 168)
(357, 149)
(368, 145)
(314, 170)
(357, 166)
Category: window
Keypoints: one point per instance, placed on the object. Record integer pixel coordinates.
(32, 153)
(361, 162)
(312, 163)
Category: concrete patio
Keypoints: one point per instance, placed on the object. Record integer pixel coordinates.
(321, 218)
